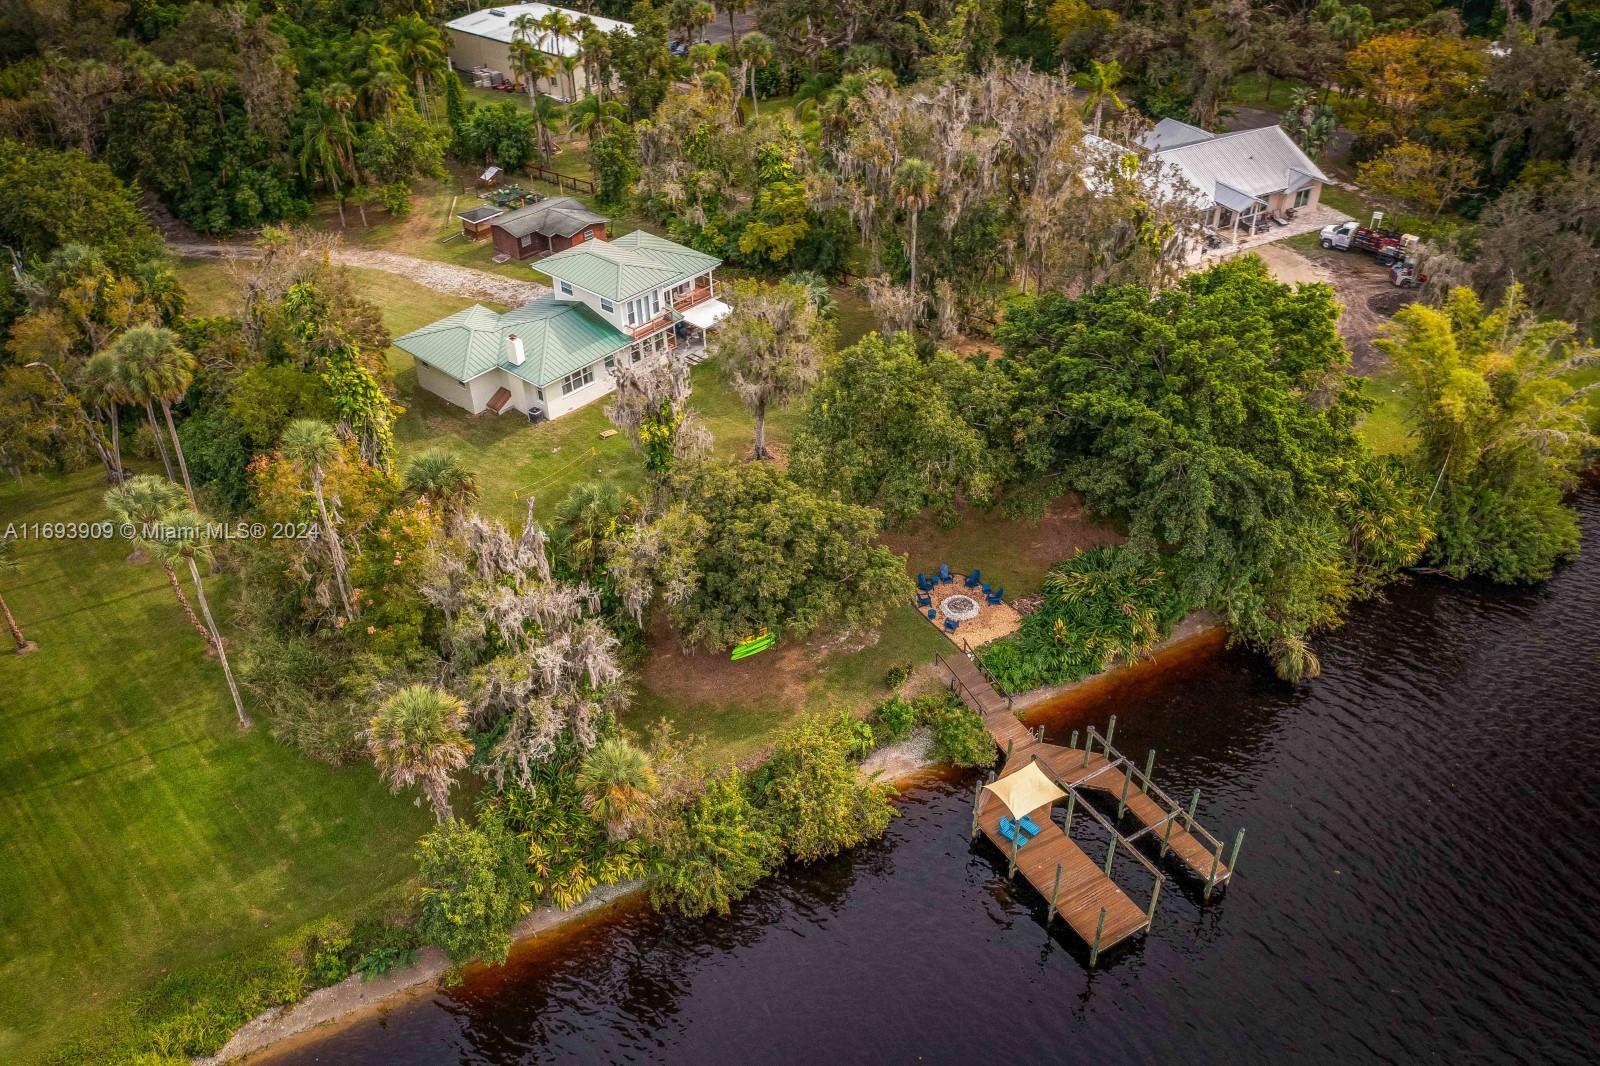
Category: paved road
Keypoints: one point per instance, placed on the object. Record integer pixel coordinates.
(441, 277)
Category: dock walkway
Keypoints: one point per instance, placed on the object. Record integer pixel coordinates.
(1078, 888)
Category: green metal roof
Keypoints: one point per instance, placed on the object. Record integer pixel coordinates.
(623, 268)
(558, 337)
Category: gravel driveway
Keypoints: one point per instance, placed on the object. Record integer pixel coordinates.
(441, 277)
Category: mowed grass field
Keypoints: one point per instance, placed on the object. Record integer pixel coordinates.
(143, 833)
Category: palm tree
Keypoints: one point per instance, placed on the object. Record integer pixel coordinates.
(420, 49)
(528, 65)
(914, 186)
(589, 518)
(595, 48)
(1100, 82)
(311, 445)
(439, 475)
(592, 115)
(327, 146)
(145, 502)
(416, 738)
(9, 565)
(101, 387)
(754, 51)
(547, 116)
(383, 86)
(569, 66)
(733, 7)
(617, 782)
(186, 540)
(156, 368)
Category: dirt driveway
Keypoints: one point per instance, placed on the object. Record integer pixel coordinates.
(1363, 287)
(441, 277)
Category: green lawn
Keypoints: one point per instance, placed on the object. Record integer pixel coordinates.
(143, 833)
(1385, 427)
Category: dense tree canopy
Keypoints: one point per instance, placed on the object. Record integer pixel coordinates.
(1215, 419)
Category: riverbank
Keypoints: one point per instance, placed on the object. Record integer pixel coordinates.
(905, 763)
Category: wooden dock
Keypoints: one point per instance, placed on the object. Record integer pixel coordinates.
(1080, 891)
(1076, 886)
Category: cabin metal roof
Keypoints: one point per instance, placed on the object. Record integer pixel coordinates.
(626, 266)
(558, 337)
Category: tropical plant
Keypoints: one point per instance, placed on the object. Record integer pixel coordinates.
(439, 475)
(473, 889)
(754, 51)
(1100, 83)
(416, 738)
(548, 116)
(529, 62)
(8, 567)
(593, 116)
(185, 535)
(772, 346)
(100, 387)
(589, 519)
(618, 783)
(326, 147)
(1100, 607)
(419, 47)
(816, 798)
(154, 368)
(141, 504)
(959, 735)
(914, 186)
(1491, 397)
(312, 446)
(711, 850)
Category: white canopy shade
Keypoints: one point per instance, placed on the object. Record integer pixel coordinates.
(707, 313)
(1025, 790)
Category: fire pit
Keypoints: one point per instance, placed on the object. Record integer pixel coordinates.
(959, 608)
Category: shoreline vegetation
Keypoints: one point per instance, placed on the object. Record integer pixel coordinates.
(899, 763)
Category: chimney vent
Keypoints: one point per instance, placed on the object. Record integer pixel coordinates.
(514, 347)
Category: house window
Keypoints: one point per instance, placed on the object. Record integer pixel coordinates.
(577, 380)
(606, 305)
(566, 289)
(1302, 197)
(527, 241)
(644, 308)
(611, 363)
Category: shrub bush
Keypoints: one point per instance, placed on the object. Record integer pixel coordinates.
(1097, 608)
(959, 737)
(814, 794)
(899, 717)
(711, 850)
(473, 890)
(896, 676)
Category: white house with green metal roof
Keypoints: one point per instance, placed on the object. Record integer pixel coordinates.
(636, 297)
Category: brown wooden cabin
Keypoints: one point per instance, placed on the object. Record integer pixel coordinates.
(548, 226)
(475, 222)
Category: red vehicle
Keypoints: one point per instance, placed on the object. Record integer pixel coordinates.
(1387, 245)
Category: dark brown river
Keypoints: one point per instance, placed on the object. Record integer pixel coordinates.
(1417, 884)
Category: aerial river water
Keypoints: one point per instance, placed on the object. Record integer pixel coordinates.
(1417, 884)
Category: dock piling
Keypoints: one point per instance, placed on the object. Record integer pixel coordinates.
(1233, 859)
(1211, 878)
(1149, 767)
(1194, 804)
(1122, 801)
(977, 806)
(1111, 853)
(1012, 870)
(1155, 894)
(1166, 834)
(1072, 801)
(1054, 892)
(1074, 742)
(1111, 731)
(1099, 927)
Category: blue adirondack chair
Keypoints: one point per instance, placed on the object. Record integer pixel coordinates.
(944, 573)
(994, 597)
(973, 579)
(1028, 826)
(924, 600)
(952, 624)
